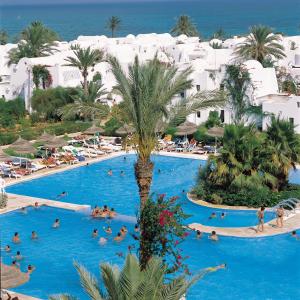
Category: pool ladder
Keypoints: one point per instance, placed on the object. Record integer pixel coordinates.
(291, 205)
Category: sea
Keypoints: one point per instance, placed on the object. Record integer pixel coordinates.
(234, 16)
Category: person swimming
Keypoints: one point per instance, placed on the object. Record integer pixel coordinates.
(24, 210)
(16, 238)
(61, 195)
(107, 230)
(124, 158)
(223, 215)
(122, 173)
(198, 234)
(7, 248)
(123, 230)
(95, 233)
(214, 237)
(102, 241)
(30, 269)
(159, 171)
(295, 235)
(110, 172)
(18, 256)
(15, 264)
(34, 235)
(216, 268)
(36, 205)
(136, 228)
(112, 213)
(118, 238)
(213, 215)
(56, 223)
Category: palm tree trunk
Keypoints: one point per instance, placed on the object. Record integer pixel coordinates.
(143, 175)
(85, 82)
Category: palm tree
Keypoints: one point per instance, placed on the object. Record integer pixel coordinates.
(133, 283)
(184, 25)
(147, 92)
(261, 44)
(113, 24)
(219, 34)
(3, 37)
(86, 105)
(41, 74)
(84, 59)
(35, 41)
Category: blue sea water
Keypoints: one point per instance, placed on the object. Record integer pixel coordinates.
(234, 16)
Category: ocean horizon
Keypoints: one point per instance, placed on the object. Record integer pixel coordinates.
(234, 16)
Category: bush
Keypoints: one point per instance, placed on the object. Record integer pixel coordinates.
(170, 131)
(111, 126)
(11, 111)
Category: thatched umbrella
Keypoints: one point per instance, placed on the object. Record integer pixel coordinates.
(215, 132)
(45, 137)
(94, 130)
(11, 277)
(125, 129)
(56, 142)
(4, 156)
(186, 128)
(22, 146)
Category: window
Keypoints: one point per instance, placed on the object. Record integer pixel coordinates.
(198, 114)
(298, 104)
(291, 120)
(222, 117)
(198, 87)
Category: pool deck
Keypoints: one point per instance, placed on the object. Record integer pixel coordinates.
(20, 296)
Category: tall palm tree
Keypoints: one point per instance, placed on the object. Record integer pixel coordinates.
(147, 91)
(84, 59)
(86, 105)
(113, 24)
(133, 283)
(261, 44)
(185, 25)
(35, 41)
(41, 74)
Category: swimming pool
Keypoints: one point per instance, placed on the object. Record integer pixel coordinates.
(91, 185)
(262, 268)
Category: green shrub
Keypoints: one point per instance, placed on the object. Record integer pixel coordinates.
(7, 138)
(111, 126)
(171, 131)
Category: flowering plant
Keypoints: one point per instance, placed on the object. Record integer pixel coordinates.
(161, 223)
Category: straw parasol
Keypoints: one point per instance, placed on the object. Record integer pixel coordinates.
(94, 130)
(11, 277)
(45, 137)
(125, 129)
(186, 128)
(56, 142)
(215, 131)
(22, 146)
(4, 156)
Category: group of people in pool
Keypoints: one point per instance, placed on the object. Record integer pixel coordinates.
(103, 212)
(214, 215)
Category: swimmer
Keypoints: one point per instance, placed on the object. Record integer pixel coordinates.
(16, 238)
(124, 158)
(213, 269)
(107, 230)
(295, 235)
(124, 230)
(102, 241)
(34, 235)
(122, 173)
(56, 224)
(61, 195)
(183, 191)
(7, 248)
(214, 236)
(110, 172)
(18, 256)
(136, 228)
(105, 208)
(118, 238)
(223, 215)
(112, 213)
(23, 210)
(36, 205)
(16, 265)
(30, 269)
(212, 216)
(198, 234)
(95, 233)
(87, 164)
(159, 171)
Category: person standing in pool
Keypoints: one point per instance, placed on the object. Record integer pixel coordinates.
(214, 237)
(198, 234)
(16, 238)
(261, 217)
(95, 233)
(110, 172)
(7, 248)
(56, 223)
(295, 235)
(280, 215)
(34, 235)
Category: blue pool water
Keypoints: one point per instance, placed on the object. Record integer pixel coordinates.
(262, 268)
(91, 185)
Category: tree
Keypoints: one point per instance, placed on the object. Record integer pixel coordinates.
(219, 34)
(3, 37)
(133, 283)
(261, 44)
(41, 74)
(35, 41)
(84, 59)
(237, 84)
(184, 25)
(113, 24)
(85, 105)
(147, 91)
